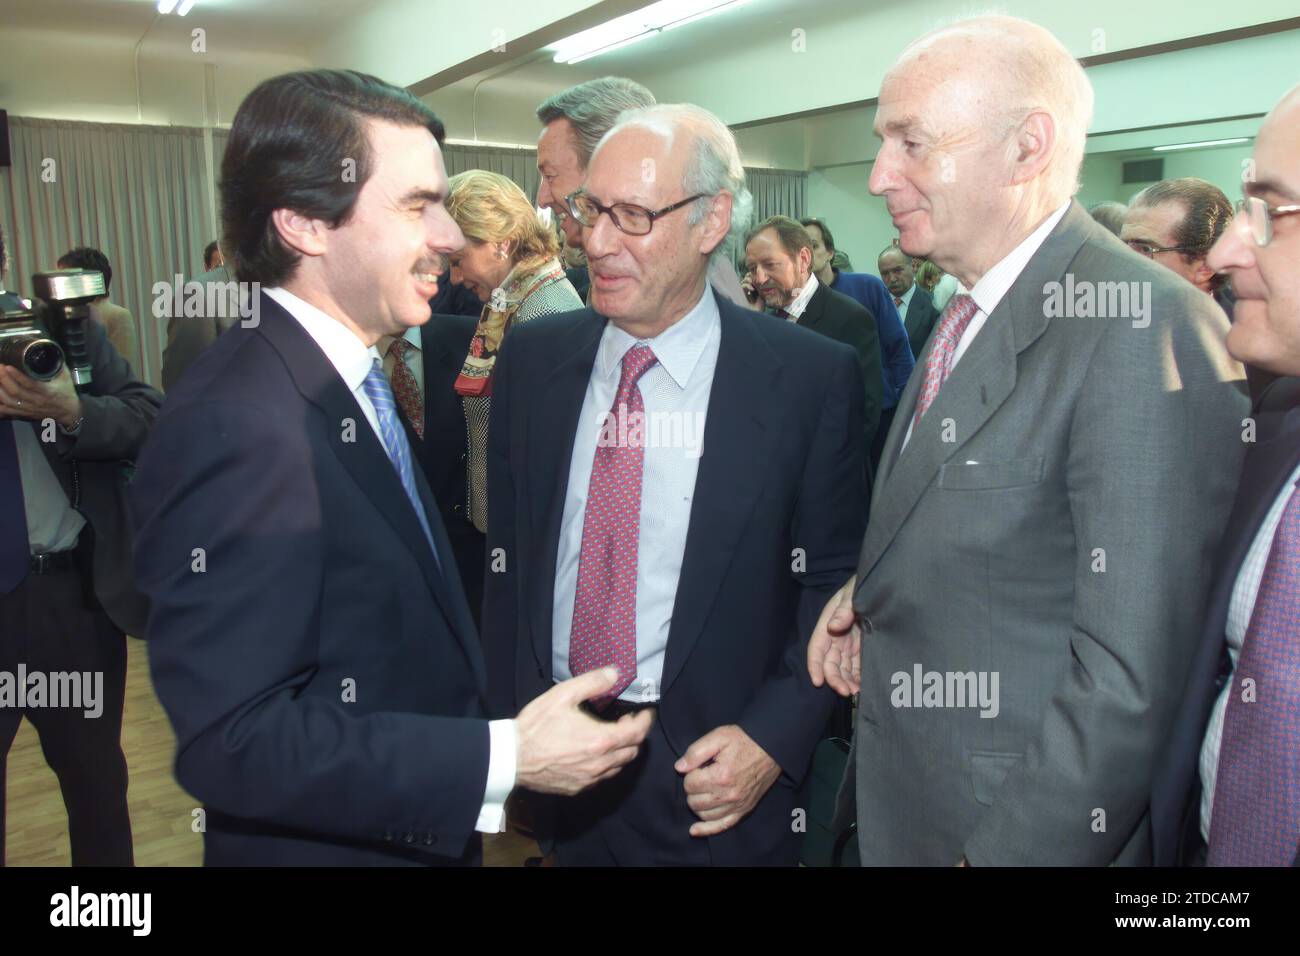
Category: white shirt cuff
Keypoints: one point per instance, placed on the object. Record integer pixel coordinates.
(502, 763)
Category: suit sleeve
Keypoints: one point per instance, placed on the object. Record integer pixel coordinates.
(895, 348)
(860, 331)
(500, 592)
(787, 716)
(230, 485)
(1154, 449)
(118, 409)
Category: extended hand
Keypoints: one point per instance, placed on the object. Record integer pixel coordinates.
(726, 775)
(23, 397)
(563, 750)
(835, 650)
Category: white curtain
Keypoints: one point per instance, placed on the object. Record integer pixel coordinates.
(139, 194)
(778, 192)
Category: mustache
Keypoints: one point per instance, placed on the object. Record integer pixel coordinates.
(437, 264)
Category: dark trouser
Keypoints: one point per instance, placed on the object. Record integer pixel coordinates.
(46, 625)
(637, 818)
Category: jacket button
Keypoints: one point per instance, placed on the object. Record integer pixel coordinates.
(408, 837)
(430, 839)
(388, 836)
(455, 509)
(462, 456)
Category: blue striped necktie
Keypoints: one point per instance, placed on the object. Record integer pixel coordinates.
(399, 449)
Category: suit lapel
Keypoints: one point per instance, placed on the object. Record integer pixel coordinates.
(363, 455)
(978, 386)
(552, 429)
(742, 423)
(816, 308)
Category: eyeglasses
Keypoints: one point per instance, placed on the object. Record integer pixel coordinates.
(627, 217)
(1149, 249)
(1260, 215)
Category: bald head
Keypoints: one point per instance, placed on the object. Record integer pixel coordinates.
(996, 69)
(983, 124)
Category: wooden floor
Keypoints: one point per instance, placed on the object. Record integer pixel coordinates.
(161, 813)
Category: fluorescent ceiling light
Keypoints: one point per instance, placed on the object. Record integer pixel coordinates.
(166, 6)
(185, 7)
(1208, 142)
(634, 27)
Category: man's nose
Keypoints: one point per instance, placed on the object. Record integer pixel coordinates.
(600, 238)
(883, 174)
(544, 197)
(1235, 248)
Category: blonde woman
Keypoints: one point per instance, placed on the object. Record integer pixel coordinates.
(511, 262)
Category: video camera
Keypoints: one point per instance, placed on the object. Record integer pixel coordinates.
(39, 341)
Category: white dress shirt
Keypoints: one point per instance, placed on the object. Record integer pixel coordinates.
(1240, 609)
(800, 304)
(905, 300)
(993, 286)
(353, 360)
(676, 391)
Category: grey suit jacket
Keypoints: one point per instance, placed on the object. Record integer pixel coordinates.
(1051, 522)
(189, 335)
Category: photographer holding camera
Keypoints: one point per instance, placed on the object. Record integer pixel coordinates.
(66, 595)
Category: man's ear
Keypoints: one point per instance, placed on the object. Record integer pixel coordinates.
(304, 235)
(1034, 142)
(717, 223)
(1202, 274)
(805, 259)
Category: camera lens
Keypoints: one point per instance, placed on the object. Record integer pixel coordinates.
(42, 360)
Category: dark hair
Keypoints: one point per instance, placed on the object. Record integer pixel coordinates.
(1109, 214)
(88, 257)
(827, 239)
(793, 236)
(1208, 211)
(287, 150)
(211, 248)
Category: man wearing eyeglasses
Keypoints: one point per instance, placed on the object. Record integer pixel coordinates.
(677, 486)
(1227, 791)
(1174, 223)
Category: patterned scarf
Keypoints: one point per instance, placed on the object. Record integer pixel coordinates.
(475, 376)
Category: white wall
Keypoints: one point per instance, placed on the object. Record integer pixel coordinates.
(1221, 165)
(858, 219)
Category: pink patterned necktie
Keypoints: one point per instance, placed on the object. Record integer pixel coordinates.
(405, 387)
(956, 317)
(604, 605)
(1255, 820)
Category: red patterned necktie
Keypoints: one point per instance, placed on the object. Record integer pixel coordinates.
(952, 325)
(405, 387)
(1255, 819)
(604, 605)
(897, 301)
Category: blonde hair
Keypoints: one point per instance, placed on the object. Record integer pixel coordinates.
(488, 207)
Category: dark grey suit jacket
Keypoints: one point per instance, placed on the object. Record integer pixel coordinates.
(1050, 522)
(919, 320)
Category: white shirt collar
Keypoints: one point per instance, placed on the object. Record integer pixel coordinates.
(993, 285)
(347, 353)
(411, 335)
(906, 299)
(678, 347)
(796, 308)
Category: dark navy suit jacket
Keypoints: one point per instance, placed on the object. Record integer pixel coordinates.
(777, 518)
(1176, 786)
(319, 667)
(897, 357)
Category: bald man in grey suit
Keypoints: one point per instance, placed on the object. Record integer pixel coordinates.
(1058, 472)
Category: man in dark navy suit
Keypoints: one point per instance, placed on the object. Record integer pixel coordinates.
(308, 634)
(1227, 789)
(676, 484)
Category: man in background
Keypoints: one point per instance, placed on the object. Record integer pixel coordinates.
(897, 358)
(212, 256)
(778, 254)
(913, 303)
(1175, 223)
(67, 599)
(116, 321)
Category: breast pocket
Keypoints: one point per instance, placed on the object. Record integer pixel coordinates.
(991, 475)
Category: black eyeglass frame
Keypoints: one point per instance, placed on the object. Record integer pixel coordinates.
(1144, 248)
(651, 214)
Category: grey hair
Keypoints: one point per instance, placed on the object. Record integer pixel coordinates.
(593, 108)
(713, 166)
